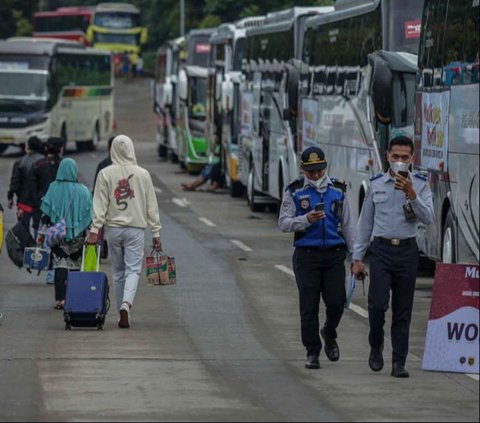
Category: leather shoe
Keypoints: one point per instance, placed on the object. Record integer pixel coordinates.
(375, 360)
(399, 370)
(312, 361)
(331, 347)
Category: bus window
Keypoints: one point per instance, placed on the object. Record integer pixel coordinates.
(403, 99)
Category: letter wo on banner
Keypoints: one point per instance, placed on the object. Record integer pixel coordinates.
(453, 328)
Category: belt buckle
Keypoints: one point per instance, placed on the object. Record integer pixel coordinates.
(395, 241)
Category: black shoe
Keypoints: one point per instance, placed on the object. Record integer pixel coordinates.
(375, 360)
(399, 370)
(331, 347)
(312, 361)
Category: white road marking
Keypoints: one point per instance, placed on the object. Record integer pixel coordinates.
(241, 245)
(179, 202)
(474, 377)
(158, 190)
(207, 222)
(356, 309)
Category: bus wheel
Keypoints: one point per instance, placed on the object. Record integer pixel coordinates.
(3, 147)
(63, 136)
(162, 151)
(255, 207)
(448, 240)
(93, 144)
(236, 189)
(173, 157)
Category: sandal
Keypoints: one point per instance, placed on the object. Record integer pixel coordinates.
(59, 305)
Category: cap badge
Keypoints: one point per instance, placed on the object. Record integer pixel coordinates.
(313, 157)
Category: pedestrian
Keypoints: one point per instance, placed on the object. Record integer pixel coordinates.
(67, 199)
(393, 208)
(124, 201)
(125, 64)
(107, 161)
(212, 171)
(140, 65)
(133, 57)
(22, 185)
(316, 209)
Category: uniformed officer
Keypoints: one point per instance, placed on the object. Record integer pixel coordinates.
(316, 210)
(394, 206)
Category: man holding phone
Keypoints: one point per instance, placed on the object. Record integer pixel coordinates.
(316, 210)
(396, 202)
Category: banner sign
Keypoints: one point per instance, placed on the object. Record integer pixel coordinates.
(435, 130)
(247, 124)
(453, 328)
(309, 122)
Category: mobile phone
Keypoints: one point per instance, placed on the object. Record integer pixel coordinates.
(320, 207)
(403, 173)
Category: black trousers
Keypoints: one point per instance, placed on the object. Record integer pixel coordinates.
(318, 273)
(392, 268)
(60, 279)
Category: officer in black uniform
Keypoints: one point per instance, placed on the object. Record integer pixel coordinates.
(316, 210)
(394, 206)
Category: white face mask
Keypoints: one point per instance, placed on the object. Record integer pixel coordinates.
(318, 183)
(399, 166)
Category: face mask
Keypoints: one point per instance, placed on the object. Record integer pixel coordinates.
(399, 167)
(318, 183)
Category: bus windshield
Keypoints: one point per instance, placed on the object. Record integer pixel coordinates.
(403, 20)
(117, 20)
(61, 23)
(130, 39)
(23, 85)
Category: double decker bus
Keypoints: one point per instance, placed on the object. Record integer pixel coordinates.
(170, 58)
(192, 91)
(447, 127)
(357, 86)
(116, 27)
(67, 23)
(54, 88)
(267, 154)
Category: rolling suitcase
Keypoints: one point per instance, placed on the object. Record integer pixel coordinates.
(86, 300)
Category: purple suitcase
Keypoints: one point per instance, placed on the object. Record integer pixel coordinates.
(86, 300)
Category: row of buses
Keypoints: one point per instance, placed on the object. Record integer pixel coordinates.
(347, 79)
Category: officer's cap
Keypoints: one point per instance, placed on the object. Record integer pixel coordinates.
(313, 158)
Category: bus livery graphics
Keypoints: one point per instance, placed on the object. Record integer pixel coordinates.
(54, 88)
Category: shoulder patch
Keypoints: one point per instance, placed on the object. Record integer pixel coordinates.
(420, 176)
(296, 184)
(378, 175)
(339, 183)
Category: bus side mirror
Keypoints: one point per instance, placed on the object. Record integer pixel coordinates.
(143, 36)
(89, 35)
(227, 95)
(293, 78)
(183, 85)
(381, 88)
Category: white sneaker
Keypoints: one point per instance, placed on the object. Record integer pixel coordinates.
(124, 321)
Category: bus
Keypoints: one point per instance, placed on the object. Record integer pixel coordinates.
(170, 58)
(447, 127)
(223, 99)
(67, 23)
(267, 153)
(192, 91)
(357, 84)
(116, 27)
(54, 88)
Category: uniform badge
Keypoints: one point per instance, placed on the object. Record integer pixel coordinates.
(286, 205)
(305, 203)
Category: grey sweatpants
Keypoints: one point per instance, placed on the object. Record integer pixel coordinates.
(126, 247)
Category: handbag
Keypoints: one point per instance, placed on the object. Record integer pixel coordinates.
(160, 269)
(58, 231)
(36, 258)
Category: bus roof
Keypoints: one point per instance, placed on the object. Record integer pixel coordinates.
(44, 46)
(117, 7)
(229, 31)
(66, 11)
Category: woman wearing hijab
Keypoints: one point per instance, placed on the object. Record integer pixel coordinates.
(66, 199)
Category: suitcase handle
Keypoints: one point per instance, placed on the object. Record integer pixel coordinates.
(84, 249)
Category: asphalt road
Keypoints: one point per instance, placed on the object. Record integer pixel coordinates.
(221, 345)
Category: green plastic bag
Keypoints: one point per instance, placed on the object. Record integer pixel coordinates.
(90, 263)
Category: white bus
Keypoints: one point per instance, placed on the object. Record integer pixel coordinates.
(223, 104)
(54, 88)
(267, 153)
(357, 86)
(447, 126)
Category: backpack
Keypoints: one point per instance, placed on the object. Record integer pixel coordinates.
(17, 239)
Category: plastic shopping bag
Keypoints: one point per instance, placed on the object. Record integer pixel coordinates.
(160, 269)
(91, 258)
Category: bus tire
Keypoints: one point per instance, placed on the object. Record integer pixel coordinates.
(236, 189)
(162, 151)
(63, 136)
(3, 147)
(255, 207)
(449, 249)
(174, 157)
(93, 144)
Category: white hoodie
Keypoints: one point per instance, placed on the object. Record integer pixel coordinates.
(124, 193)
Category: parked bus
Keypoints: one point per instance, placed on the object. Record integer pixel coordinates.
(223, 101)
(354, 61)
(267, 154)
(447, 127)
(116, 27)
(170, 58)
(54, 88)
(192, 91)
(67, 23)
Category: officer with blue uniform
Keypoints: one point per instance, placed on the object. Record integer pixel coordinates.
(393, 208)
(316, 210)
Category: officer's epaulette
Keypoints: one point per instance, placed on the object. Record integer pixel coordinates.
(420, 176)
(378, 175)
(339, 184)
(296, 184)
